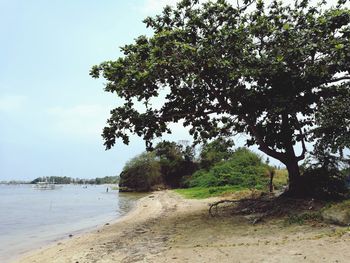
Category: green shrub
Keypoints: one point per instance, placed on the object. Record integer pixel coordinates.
(280, 179)
(215, 152)
(244, 169)
(176, 161)
(141, 173)
(300, 219)
(324, 183)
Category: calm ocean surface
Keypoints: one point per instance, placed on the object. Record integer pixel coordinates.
(31, 218)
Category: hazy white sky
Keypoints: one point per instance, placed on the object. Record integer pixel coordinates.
(51, 111)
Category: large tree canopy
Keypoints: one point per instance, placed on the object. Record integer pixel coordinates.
(333, 122)
(255, 69)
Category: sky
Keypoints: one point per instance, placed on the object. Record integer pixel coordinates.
(51, 111)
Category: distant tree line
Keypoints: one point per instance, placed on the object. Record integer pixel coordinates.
(69, 180)
(14, 182)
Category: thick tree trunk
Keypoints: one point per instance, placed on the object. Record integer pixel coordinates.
(294, 176)
(288, 157)
(296, 187)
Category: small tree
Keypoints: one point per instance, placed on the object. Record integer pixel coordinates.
(254, 69)
(176, 161)
(141, 173)
(333, 123)
(244, 169)
(216, 151)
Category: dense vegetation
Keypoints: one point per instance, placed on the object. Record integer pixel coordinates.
(142, 173)
(244, 169)
(217, 167)
(165, 167)
(279, 73)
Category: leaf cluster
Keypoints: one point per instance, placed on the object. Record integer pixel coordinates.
(263, 70)
(244, 169)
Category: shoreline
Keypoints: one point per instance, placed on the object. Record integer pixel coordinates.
(80, 234)
(107, 209)
(164, 227)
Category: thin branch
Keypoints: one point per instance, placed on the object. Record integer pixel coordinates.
(169, 117)
(215, 204)
(302, 155)
(262, 145)
(243, 8)
(337, 79)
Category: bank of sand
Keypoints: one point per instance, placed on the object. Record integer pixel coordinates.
(167, 228)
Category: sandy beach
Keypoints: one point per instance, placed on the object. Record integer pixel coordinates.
(165, 227)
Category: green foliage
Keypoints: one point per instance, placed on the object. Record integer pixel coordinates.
(323, 174)
(176, 162)
(245, 170)
(301, 219)
(280, 179)
(216, 151)
(265, 71)
(141, 173)
(333, 120)
(346, 171)
(168, 150)
(205, 192)
(165, 166)
(324, 183)
(107, 180)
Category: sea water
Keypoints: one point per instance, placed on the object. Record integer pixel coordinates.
(31, 218)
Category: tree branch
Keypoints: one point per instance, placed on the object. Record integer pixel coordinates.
(262, 145)
(169, 117)
(337, 79)
(302, 155)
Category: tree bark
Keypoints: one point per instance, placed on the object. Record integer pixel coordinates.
(293, 176)
(288, 157)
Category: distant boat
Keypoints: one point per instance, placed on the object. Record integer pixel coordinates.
(45, 185)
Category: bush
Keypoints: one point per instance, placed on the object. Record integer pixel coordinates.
(323, 183)
(141, 173)
(215, 152)
(244, 169)
(176, 161)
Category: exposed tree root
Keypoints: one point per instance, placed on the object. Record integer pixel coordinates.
(216, 204)
(264, 206)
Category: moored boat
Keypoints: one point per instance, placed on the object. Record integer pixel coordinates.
(45, 185)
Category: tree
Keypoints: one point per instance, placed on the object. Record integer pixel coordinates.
(168, 150)
(254, 69)
(216, 151)
(245, 169)
(333, 123)
(176, 161)
(141, 173)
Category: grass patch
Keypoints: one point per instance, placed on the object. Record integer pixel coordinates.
(280, 179)
(205, 192)
(343, 205)
(300, 219)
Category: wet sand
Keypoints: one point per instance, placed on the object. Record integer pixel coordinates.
(164, 227)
